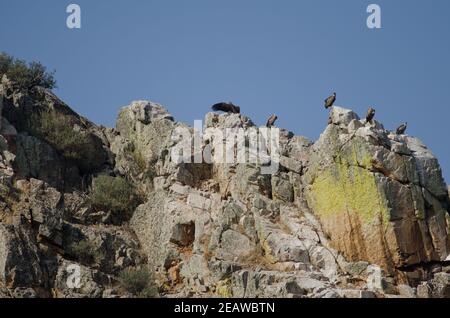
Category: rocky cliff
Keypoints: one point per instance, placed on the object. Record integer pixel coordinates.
(361, 212)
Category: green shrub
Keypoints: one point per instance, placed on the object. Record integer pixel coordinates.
(59, 131)
(87, 252)
(139, 159)
(139, 282)
(113, 194)
(26, 75)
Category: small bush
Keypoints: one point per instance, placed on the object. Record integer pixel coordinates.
(87, 252)
(113, 194)
(147, 168)
(139, 282)
(26, 75)
(139, 159)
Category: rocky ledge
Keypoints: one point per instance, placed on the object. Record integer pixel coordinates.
(362, 212)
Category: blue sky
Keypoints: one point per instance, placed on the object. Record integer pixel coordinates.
(281, 56)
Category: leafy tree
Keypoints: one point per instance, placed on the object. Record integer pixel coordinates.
(26, 75)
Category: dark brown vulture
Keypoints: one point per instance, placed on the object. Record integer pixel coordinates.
(272, 119)
(330, 101)
(227, 107)
(370, 115)
(402, 128)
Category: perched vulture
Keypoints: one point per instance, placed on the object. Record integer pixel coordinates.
(330, 101)
(402, 128)
(370, 114)
(227, 107)
(272, 119)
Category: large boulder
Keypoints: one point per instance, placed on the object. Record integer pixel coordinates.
(380, 197)
(158, 224)
(43, 207)
(148, 127)
(142, 142)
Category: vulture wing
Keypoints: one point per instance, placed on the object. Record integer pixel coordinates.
(401, 129)
(330, 101)
(272, 119)
(224, 107)
(370, 114)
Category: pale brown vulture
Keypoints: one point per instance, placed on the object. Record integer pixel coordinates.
(330, 101)
(370, 114)
(271, 121)
(402, 128)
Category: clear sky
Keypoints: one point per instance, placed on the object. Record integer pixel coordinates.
(267, 56)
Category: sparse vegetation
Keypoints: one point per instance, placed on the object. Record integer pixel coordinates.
(86, 252)
(113, 194)
(139, 282)
(26, 75)
(150, 173)
(144, 167)
(139, 159)
(60, 132)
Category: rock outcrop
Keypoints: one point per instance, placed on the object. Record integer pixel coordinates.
(359, 213)
(379, 196)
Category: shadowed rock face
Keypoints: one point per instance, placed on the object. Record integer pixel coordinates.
(358, 199)
(78, 143)
(19, 258)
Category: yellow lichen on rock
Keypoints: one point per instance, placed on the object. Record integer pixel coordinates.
(268, 253)
(346, 187)
(223, 288)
